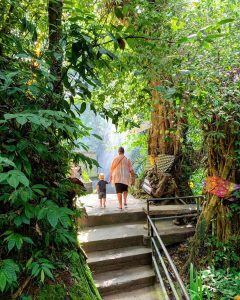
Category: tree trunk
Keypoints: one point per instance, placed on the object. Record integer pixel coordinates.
(166, 132)
(222, 163)
(4, 20)
(55, 8)
(166, 137)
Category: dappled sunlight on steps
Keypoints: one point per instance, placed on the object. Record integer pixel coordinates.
(116, 244)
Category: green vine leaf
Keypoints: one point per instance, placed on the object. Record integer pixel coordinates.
(52, 216)
(3, 281)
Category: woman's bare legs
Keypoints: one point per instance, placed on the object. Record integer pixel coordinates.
(125, 194)
(104, 202)
(119, 196)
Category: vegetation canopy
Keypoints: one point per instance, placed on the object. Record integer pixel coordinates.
(174, 64)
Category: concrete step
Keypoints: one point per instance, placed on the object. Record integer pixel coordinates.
(126, 235)
(111, 237)
(171, 238)
(114, 282)
(102, 261)
(171, 210)
(148, 293)
(103, 217)
(170, 233)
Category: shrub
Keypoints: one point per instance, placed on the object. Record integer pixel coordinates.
(222, 284)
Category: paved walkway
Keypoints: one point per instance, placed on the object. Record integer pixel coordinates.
(91, 203)
(132, 219)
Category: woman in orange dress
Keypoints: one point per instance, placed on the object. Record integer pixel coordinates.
(120, 175)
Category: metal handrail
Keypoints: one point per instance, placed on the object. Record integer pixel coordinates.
(154, 233)
(174, 217)
(177, 197)
(155, 249)
(197, 197)
(165, 270)
(160, 279)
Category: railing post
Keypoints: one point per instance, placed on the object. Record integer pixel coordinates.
(198, 207)
(151, 231)
(147, 218)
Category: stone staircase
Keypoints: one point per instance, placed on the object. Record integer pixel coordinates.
(118, 258)
(116, 244)
(129, 275)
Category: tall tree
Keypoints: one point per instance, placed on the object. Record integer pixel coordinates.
(38, 133)
(55, 10)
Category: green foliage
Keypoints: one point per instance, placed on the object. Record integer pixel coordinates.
(85, 289)
(195, 284)
(214, 284)
(190, 47)
(40, 267)
(15, 240)
(195, 133)
(52, 292)
(197, 180)
(39, 127)
(77, 272)
(221, 284)
(85, 176)
(225, 253)
(137, 144)
(138, 141)
(8, 274)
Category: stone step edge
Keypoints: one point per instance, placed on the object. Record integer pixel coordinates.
(132, 284)
(107, 244)
(110, 256)
(117, 213)
(128, 260)
(134, 272)
(111, 219)
(140, 222)
(154, 290)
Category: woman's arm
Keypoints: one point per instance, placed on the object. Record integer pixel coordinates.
(111, 170)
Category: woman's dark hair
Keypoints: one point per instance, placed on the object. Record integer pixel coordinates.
(121, 150)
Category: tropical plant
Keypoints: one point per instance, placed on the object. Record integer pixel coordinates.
(47, 58)
(174, 62)
(195, 284)
(221, 284)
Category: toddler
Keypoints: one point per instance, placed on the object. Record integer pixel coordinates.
(101, 190)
